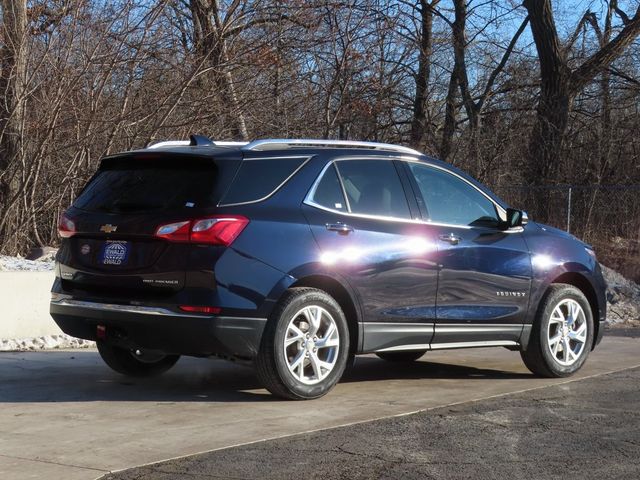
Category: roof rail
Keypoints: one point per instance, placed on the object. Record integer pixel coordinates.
(273, 144)
(196, 141)
(169, 143)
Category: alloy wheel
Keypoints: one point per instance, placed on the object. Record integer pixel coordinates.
(567, 332)
(311, 345)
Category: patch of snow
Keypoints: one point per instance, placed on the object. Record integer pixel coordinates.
(41, 343)
(20, 264)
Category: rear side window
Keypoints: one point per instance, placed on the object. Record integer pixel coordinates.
(328, 192)
(130, 185)
(373, 188)
(258, 178)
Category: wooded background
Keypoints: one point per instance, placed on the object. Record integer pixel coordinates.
(530, 94)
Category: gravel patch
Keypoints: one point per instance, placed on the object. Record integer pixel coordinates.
(623, 299)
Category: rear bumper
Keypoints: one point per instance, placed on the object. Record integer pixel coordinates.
(158, 328)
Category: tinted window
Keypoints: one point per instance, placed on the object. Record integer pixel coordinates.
(373, 188)
(452, 200)
(257, 179)
(129, 185)
(328, 192)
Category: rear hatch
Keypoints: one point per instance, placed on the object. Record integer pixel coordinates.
(113, 244)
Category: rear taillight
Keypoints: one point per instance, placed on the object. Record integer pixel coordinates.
(219, 230)
(175, 232)
(66, 227)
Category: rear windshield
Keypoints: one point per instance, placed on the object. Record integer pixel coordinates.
(132, 185)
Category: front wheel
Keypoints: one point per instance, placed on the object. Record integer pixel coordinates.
(305, 345)
(134, 362)
(562, 333)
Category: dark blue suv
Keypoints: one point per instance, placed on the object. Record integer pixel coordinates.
(297, 255)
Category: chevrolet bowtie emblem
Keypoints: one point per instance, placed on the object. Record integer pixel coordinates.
(108, 228)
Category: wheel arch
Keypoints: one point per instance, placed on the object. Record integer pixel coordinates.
(345, 299)
(583, 284)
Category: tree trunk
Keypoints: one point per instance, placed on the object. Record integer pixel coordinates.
(12, 77)
(211, 46)
(449, 119)
(12, 90)
(605, 93)
(419, 123)
(560, 85)
(555, 99)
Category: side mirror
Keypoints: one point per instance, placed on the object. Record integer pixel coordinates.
(515, 218)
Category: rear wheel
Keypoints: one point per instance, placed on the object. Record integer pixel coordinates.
(401, 357)
(562, 333)
(135, 362)
(305, 345)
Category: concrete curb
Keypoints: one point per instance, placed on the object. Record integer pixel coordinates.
(24, 301)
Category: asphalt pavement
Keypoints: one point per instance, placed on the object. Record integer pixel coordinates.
(589, 429)
(65, 415)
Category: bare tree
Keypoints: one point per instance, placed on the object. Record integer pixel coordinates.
(420, 122)
(560, 84)
(12, 91)
(459, 80)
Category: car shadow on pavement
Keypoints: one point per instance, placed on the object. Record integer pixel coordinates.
(371, 369)
(80, 376)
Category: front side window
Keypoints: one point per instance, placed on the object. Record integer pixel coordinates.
(373, 188)
(450, 199)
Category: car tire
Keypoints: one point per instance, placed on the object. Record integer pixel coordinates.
(305, 345)
(562, 333)
(401, 357)
(126, 362)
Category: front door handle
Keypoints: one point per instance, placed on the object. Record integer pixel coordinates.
(450, 237)
(341, 228)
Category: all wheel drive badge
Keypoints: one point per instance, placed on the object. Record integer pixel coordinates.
(85, 249)
(115, 253)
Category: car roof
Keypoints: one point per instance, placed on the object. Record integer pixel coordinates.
(274, 148)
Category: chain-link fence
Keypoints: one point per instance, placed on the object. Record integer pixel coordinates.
(607, 216)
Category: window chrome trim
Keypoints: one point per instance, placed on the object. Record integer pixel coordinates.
(307, 200)
(274, 191)
(312, 191)
(344, 190)
(369, 217)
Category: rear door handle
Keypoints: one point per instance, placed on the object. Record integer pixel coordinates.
(450, 237)
(341, 228)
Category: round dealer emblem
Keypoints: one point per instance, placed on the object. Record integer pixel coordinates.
(85, 249)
